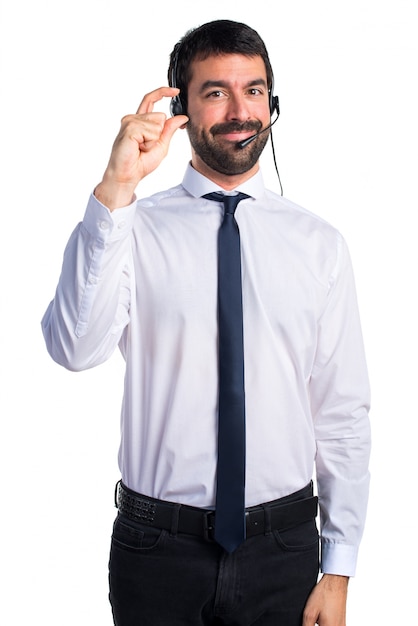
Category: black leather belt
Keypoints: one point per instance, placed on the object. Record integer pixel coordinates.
(286, 512)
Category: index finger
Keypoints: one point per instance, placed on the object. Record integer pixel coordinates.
(148, 101)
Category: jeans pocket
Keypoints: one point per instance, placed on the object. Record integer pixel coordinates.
(132, 536)
(300, 538)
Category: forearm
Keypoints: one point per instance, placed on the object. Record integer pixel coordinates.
(340, 399)
(343, 490)
(83, 323)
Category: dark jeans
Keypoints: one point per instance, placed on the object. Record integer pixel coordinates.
(163, 579)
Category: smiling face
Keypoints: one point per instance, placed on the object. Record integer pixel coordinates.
(228, 101)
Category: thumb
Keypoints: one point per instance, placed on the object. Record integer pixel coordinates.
(171, 126)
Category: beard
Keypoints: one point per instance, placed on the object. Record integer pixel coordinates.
(226, 157)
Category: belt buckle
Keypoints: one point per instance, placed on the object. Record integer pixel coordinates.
(208, 526)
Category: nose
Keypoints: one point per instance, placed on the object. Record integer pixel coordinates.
(238, 108)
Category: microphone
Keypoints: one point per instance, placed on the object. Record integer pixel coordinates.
(245, 142)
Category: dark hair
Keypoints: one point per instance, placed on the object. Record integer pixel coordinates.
(214, 39)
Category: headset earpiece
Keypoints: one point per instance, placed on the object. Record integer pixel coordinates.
(274, 100)
(274, 104)
(176, 106)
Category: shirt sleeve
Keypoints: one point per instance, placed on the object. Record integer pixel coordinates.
(85, 320)
(340, 400)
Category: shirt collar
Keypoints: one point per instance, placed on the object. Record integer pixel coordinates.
(197, 185)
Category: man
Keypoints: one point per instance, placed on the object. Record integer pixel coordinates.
(143, 275)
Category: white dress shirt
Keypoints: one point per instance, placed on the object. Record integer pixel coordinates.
(144, 277)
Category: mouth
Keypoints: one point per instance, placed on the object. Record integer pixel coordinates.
(233, 133)
(235, 136)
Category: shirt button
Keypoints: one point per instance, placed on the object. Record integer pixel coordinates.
(92, 280)
(121, 224)
(103, 225)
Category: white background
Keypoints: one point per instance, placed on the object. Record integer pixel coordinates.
(346, 145)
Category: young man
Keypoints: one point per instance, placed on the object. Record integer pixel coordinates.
(143, 275)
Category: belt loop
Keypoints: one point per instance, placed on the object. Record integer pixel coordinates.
(175, 520)
(267, 519)
(117, 493)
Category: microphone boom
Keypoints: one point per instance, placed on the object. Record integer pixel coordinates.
(245, 142)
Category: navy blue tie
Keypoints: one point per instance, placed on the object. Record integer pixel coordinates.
(230, 487)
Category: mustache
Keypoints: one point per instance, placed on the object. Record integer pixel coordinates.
(231, 127)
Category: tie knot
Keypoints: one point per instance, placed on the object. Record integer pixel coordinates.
(230, 202)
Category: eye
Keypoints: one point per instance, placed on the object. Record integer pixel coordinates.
(255, 91)
(215, 94)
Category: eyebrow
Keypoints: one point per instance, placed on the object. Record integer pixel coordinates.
(210, 84)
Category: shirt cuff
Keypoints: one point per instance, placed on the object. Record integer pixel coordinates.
(338, 558)
(108, 225)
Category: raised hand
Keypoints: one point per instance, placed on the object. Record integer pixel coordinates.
(140, 146)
